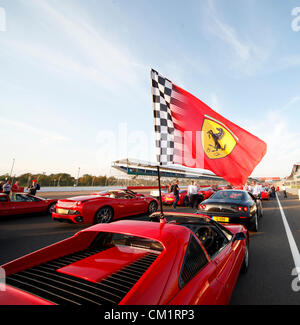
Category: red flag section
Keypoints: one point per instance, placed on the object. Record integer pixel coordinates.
(190, 133)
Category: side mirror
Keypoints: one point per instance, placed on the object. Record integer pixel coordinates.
(239, 236)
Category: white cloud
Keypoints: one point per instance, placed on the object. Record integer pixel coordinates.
(42, 135)
(215, 104)
(283, 143)
(110, 64)
(246, 57)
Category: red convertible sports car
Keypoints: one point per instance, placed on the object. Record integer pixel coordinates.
(103, 207)
(22, 203)
(189, 260)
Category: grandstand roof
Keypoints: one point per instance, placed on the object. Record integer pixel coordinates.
(146, 168)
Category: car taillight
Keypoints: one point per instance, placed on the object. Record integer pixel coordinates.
(245, 209)
(240, 208)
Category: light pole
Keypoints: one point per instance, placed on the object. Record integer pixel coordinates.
(12, 167)
(78, 176)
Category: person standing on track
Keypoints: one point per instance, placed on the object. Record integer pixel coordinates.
(284, 191)
(176, 194)
(192, 192)
(34, 187)
(7, 187)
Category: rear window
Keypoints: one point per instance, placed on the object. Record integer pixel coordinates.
(108, 240)
(194, 260)
(232, 195)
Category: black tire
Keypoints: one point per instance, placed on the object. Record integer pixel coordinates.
(104, 215)
(152, 207)
(51, 208)
(245, 264)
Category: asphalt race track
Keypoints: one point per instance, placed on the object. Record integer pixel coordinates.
(269, 278)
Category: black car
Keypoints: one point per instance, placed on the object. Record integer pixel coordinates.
(233, 206)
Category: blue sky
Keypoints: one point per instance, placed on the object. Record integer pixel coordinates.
(75, 77)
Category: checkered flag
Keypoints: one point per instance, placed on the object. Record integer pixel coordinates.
(163, 124)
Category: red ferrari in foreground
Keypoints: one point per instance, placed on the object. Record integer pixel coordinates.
(22, 203)
(103, 207)
(189, 260)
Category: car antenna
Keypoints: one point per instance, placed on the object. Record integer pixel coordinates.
(162, 218)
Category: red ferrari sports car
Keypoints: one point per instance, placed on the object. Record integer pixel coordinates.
(169, 198)
(22, 203)
(206, 192)
(103, 207)
(190, 260)
(265, 194)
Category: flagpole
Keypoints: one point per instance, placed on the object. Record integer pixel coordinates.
(162, 217)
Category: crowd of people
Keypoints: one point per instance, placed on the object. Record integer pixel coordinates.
(195, 198)
(192, 193)
(256, 189)
(7, 188)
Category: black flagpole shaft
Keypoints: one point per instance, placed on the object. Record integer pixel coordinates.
(159, 189)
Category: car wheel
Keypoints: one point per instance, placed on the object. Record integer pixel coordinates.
(104, 215)
(245, 264)
(152, 207)
(51, 208)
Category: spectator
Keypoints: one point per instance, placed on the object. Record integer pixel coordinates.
(16, 187)
(7, 187)
(34, 187)
(284, 191)
(192, 192)
(1, 186)
(273, 191)
(256, 189)
(176, 193)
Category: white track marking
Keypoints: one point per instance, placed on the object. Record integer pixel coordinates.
(292, 243)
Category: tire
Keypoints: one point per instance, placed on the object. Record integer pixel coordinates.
(152, 207)
(51, 208)
(104, 215)
(245, 264)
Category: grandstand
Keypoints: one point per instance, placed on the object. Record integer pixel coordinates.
(147, 171)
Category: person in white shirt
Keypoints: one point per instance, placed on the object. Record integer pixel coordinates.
(192, 192)
(284, 191)
(256, 189)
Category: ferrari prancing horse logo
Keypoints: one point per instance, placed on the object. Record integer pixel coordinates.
(217, 140)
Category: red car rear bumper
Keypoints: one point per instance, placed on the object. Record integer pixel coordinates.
(70, 218)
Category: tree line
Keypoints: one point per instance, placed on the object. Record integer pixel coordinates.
(61, 179)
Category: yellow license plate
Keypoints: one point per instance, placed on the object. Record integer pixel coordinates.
(62, 211)
(221, 219)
